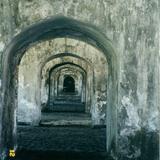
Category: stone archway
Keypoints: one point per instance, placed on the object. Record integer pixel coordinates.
(69, 67)
(49, 29)
(51, 64)
(58, 89)
(96, 91)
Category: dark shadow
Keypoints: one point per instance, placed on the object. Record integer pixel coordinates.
(69, 85)
(41, 155)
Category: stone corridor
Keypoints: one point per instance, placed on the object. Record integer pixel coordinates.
(79, 79)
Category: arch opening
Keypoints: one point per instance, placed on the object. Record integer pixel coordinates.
(52, 28)
(68, 85)
(74, 99)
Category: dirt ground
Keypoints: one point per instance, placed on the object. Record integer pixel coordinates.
(61, 143)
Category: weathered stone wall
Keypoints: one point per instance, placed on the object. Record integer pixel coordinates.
(133, 28)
